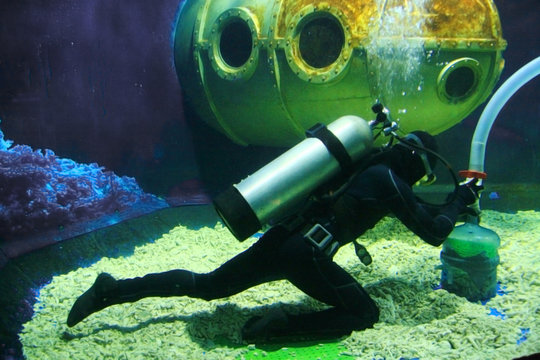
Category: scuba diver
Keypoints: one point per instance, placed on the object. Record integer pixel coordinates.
(301, 248)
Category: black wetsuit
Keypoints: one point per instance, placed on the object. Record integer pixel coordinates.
(284, 254)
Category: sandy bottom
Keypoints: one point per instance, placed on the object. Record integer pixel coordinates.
(416, 321)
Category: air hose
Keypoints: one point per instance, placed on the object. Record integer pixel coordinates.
(492, 109)
(470, 253)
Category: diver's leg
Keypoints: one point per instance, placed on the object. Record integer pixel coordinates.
(94, 299)
(249, 268)
(254, 266)
(319, 277)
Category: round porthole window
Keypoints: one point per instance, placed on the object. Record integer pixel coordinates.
(234, 52)
(321, 41)
(318, 44)
(235, 43)
(459, 80)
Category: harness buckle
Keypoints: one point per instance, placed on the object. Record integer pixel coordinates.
(319, 236)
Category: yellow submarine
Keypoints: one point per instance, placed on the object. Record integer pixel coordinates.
(263, 71)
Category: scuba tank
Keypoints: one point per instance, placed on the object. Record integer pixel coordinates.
(469, 262)
(280, 187)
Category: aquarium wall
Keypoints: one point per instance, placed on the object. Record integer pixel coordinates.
(95, 129)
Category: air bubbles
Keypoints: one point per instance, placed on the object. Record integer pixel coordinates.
(395, 49)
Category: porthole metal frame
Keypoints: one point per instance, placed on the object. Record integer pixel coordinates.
(292, 45)
(224, 70)
(447, 71)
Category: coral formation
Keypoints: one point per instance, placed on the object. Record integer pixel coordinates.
(40, 191)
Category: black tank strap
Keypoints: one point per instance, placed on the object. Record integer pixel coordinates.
(334, 146)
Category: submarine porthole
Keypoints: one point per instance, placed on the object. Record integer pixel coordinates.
(459, 80)
(236, 44)
(318, 44)
(321, 41)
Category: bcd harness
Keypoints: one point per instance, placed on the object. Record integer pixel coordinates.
(318, 231)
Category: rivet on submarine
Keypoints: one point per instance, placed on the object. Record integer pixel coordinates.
(262, 72)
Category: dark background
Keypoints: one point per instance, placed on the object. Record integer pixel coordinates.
(95, 82)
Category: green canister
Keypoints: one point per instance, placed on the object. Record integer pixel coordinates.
(469, 262)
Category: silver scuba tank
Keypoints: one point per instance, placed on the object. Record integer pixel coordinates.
(279, 187)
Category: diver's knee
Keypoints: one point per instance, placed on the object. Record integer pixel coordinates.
(374, 313)
(371, 311)
(367, 319)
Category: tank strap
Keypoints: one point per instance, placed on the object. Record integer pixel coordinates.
(334, 146)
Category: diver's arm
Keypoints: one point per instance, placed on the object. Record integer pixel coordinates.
(431, 227)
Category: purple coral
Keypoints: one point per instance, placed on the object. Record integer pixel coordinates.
(40, 192)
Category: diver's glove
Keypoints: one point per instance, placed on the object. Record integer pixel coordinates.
(469, 191)
(468, 198)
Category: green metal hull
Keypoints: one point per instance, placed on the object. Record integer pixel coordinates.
(262, 72)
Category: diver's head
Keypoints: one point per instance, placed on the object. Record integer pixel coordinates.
(410, 160)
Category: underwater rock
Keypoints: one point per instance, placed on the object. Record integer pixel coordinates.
(40, 191)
